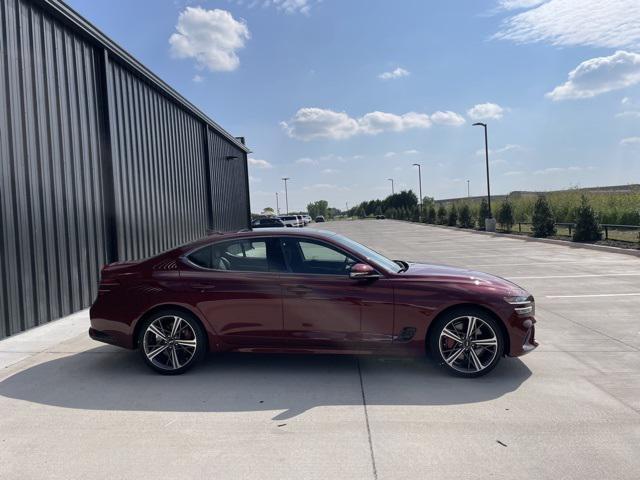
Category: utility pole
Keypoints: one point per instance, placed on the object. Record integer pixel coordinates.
(392, 190)
(286, 193)
(277, 204)
(486, 154)
(468, 191)
(419, 188)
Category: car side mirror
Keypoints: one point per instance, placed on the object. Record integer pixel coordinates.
(363, 271)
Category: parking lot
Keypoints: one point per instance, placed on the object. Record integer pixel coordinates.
(74, 408)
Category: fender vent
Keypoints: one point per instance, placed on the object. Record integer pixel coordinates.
(168, 264)
(406, 334)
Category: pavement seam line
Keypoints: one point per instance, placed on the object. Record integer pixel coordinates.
(366, 418)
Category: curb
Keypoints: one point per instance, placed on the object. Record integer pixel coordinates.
(566, 243)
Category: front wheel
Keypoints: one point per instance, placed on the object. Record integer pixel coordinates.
(467, 342)
(171, 342)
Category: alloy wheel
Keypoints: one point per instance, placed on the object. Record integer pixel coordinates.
(169, 342)
(468, 344)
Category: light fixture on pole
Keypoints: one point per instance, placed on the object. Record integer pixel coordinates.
(392, 190)
(419, 189)
(286, 193)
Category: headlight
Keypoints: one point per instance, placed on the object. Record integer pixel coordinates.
(523, 305)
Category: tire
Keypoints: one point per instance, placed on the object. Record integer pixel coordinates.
(464, 354)
(171, 352)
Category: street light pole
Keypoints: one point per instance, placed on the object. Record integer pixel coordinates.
(419, 189)
(392, 191)
(486, 154)
(286, 193)
(277, 205)
(468, 191)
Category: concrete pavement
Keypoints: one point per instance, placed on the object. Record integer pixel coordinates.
(73, 408)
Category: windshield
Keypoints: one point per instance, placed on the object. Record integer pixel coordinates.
(369, 254)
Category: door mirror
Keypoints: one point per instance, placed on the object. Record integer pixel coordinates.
(362, 271)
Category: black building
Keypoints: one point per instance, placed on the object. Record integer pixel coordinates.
(100, 161)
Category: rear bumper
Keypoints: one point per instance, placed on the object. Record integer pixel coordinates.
(103, 337)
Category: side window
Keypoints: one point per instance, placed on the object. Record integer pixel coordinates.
(316, 258)
(246, 255)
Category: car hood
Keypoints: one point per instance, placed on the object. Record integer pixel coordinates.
(444, 274)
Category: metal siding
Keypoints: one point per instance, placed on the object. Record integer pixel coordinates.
(158, 162)
(51, 214)
(99, 161)
(228, 181)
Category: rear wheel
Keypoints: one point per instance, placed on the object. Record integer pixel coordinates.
(171, 342)
(467, 342)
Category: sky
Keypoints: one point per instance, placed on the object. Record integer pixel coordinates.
(341, 95)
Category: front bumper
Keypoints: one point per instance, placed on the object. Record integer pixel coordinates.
(522, 336)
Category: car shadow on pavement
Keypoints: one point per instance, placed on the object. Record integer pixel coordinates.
(105, 379)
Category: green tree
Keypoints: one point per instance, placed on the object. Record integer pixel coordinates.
(587, 225)
(318, 208)
(505, 215)
(430, 214)
(465, 218)
(452, 215)
(483, 212)
(441, 216)
(544, 223)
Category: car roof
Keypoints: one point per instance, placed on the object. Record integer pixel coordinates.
(262, 232)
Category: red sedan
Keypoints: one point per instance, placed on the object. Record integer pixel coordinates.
(307, 292)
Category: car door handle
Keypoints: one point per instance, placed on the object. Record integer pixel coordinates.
(299, 289)
(203, 287)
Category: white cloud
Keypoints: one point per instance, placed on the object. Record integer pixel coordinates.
(551, 170)
(486, 111)
(512, 173)
(378, 122)
(629, 114)
(306, 161)
(330, 171)
(287, 6)
(259, 163)
(519, 4)
(211, 37)
(311, 123)
(625, 101)
(600, 75)
(630, 141)
(324, 186)
(198, 79)
(507, 148)
(254, 179)
(389, 154)
(411, 152)
(392, 75)
(596, 23)
(447, 118)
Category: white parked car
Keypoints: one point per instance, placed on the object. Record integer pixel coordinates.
(291, 221)
(307, 219)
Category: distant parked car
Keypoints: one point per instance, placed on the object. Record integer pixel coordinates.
(307, 219)
(380, 217)
(319, 219)
(269, 222)
(300, 221)
(290, 220)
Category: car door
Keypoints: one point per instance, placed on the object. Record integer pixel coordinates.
(236, 285)
(324, 307)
